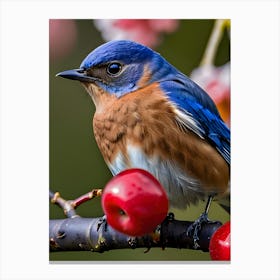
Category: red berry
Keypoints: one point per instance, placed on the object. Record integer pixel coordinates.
(134, 202)
(219, 246)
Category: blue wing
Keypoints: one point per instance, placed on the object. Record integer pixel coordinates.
(197, 111)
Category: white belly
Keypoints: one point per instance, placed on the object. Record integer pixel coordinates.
(181, 188)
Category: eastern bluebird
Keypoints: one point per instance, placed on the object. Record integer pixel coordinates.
(149, 115)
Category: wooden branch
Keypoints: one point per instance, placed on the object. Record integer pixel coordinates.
(94, 234)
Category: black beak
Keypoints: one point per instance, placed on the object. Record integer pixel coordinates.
(77, 74)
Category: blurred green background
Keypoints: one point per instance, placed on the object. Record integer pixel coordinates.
(76, 165)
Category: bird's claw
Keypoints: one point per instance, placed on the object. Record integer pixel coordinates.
(194, 229)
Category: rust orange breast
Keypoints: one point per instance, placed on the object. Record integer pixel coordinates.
(146, 119)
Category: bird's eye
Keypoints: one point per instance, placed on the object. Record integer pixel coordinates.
(114, 68)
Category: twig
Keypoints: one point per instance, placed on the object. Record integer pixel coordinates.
(213, 42)
(69, 206)
(86, 197)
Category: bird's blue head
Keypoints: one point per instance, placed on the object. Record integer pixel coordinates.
(120, 67)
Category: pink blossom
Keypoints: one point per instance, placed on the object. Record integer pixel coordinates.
(216, 82)
(63, 36)
(144, 31)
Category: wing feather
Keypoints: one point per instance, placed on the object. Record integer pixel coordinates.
(196, 111)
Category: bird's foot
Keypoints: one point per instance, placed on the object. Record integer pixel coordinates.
(194, 229)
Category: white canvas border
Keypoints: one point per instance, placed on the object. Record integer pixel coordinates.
(255, 138)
